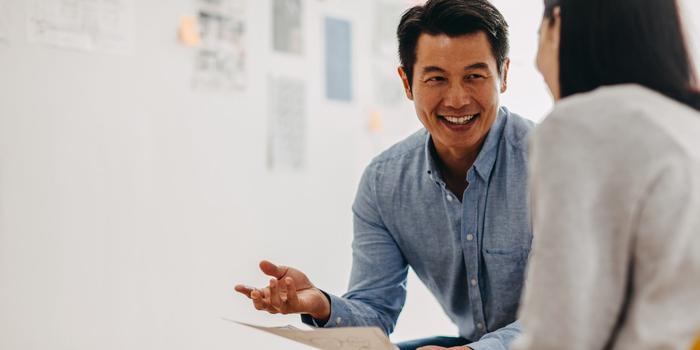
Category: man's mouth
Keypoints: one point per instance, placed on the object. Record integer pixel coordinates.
(460, 120)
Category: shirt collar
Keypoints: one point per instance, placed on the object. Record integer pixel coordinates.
(487, 156)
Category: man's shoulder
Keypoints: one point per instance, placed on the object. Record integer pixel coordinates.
(407, 149)
(517, 129)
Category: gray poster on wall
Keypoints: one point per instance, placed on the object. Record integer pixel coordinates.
(286, 142)
(287, 26)
(338, 59)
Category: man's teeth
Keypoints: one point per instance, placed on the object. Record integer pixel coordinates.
(460, 120)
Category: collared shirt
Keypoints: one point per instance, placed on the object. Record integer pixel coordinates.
(471, 254)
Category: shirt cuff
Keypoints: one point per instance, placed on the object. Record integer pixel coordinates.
(487, 344)
(337, 318)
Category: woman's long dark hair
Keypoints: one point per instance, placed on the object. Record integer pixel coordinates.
(607, 42)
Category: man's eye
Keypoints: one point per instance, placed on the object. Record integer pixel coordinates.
(474, 76)
(435, 79)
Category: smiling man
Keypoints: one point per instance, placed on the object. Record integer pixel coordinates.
(449, 201)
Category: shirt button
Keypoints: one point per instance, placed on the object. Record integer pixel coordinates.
(473, 281)
(338, 320)
(449, 198)
(470, 237)
(480, 326)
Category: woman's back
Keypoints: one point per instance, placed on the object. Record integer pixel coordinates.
(620, 167)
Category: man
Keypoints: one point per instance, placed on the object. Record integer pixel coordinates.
(449, 201)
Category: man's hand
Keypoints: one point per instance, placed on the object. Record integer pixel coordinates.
(289, 292)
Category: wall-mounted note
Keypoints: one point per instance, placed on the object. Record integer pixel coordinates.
(4, 21)
(286, 142)
(341, 338)
(104, 26)
(189, 31)
(338, 59)
(287, 26)
(221, 58)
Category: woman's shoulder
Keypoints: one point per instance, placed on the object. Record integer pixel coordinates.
(627, 106)
(629, 118)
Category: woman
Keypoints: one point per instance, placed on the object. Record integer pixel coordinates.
(615, 182)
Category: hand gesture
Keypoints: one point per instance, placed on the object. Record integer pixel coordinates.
(289, 292)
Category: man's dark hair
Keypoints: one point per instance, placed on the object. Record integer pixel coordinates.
(453, 18)
(608, 42)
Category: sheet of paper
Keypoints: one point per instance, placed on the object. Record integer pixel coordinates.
(287, 26)
(338, 59)
(343, 338)
(387, 86)
(220, 62)
(4, 21)
(286, 149)
(89, 25)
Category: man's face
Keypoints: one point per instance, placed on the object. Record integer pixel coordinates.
(456, 88)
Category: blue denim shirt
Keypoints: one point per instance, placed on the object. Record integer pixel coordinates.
(471, 255)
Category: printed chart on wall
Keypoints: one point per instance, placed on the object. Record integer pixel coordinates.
(4, 21)
(387, 87)
(220, 62)
(89, 25)
(338, 59)
(286, 148)
(287, 26)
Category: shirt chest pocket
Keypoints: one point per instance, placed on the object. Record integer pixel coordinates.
(503, 269)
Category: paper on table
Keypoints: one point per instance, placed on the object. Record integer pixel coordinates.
(342, 338)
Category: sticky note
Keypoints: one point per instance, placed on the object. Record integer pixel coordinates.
(189, 31)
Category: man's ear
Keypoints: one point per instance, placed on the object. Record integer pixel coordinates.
(406, 84)
(504, 75)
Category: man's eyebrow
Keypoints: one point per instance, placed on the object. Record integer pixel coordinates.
(479, 65)
(432, 69)
(436, 69)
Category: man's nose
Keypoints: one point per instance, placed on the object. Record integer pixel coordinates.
(457, 96)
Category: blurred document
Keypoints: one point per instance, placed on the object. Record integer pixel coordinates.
(338, 59)
(4, 21)
(221, 61)
(342, 338)
(89, 25)
(287, 27)
(286, 140)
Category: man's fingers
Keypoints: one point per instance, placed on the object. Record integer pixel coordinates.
(273, 270)
(282, 287)
(243, 289)
(292, 298)
(274, 294)
(257, 300)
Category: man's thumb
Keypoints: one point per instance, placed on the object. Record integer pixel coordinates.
(273, 270)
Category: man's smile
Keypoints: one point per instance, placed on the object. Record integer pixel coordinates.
(459, 119)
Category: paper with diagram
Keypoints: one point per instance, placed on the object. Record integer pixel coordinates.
(221, 61)
(89, 25)
(342, 338)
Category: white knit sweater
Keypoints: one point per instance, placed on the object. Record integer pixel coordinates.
(615, 185)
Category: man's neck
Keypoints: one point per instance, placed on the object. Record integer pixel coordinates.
(454, 164)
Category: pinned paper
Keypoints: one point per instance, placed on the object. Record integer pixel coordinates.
(189, 31)
(286, 124)
(103, 26)
(221, 58)
(338, 59)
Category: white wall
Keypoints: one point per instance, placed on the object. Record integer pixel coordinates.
(130, 204)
